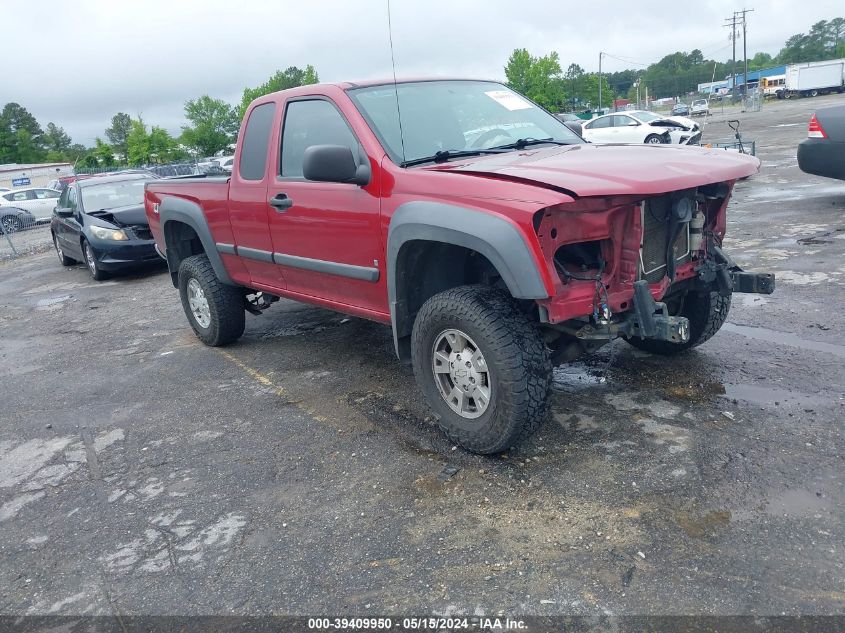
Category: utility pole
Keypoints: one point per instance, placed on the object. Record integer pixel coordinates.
(600, 54)
(732, 24)
(745, 54)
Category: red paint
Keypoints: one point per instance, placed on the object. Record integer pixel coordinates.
(589, 192)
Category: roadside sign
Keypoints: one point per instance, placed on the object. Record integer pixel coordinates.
(20, 182)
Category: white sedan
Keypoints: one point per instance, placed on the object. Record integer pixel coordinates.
(39, 201)
(641, 126)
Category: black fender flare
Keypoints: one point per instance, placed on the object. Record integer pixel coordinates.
(489, 235)
(173, 209)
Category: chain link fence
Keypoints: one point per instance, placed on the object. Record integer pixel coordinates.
(22, 234)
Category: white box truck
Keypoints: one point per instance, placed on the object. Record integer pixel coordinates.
(810, 79)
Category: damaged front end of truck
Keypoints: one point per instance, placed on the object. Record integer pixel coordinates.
(626, 265)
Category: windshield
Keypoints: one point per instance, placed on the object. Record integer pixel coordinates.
(113, 195)
(453, 115)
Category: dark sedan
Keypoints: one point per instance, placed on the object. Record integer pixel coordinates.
(681, 109)
(101, 222)
(13, 219)
(823, 151)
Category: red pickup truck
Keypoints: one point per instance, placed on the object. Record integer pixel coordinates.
(490, 237)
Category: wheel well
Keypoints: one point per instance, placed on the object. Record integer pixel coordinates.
(425, 268)
(181, 241)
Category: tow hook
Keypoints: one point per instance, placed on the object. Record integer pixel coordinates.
(729, 277)
(758, 283)
(648, 319)
(649, 324)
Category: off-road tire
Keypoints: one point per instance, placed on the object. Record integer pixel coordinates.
(517, 359)
(225, 302)
(706, 311)
(64, 259)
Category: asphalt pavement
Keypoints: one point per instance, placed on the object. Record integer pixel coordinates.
(298, 471)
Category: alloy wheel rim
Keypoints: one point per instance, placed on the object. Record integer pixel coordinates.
(9, 226)
(89, 258)
(461, 373)
(198, 304)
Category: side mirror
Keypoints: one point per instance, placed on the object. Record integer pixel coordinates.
(633, 124)
(64, 212)
(334, 163)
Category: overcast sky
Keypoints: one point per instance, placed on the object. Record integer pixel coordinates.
(78, 62)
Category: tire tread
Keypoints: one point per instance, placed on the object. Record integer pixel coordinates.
(524, 367)
(228, 317)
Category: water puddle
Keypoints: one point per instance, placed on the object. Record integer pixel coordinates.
(784, 338)
(49, 302)
(762, 395)
(574, 377)
(796, 503)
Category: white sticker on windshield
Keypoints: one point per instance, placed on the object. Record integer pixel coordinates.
(508, 99)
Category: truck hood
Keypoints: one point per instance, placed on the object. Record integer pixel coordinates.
(607, 170)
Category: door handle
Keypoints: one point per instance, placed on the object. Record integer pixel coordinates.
(281, 202)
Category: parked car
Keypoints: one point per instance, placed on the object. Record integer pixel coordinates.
(175, 169)
(39, 201)
(572, 121)
(680, 109)
(640, 126)
(225, 163)
(492, 255)
(13, 219)
(101, 222)
(699, 107)
(822, 153)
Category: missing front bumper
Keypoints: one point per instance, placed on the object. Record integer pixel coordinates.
(649, 319)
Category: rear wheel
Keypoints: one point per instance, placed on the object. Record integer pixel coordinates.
(706, 311)
(11, 224)
(64, 259)
(215, 310)
(483, 367)
(653, 139)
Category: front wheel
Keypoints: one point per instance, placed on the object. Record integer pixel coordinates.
(215, 310)
(707, 312)
(482, 366)
(653, 139)
(91, 262)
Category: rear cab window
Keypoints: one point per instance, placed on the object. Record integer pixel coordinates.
(256, 142)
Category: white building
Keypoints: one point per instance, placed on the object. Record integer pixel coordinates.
(15, 175)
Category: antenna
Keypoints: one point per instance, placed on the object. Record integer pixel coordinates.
(395, 87)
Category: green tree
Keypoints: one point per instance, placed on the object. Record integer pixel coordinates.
(138, 143)
(21, 138)
(291, 77)
(76, 152)
(517, 70)
(214, 125)
(118, 133)
(56, 140)
(538, 78)
(104, 153)
(163, 147)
